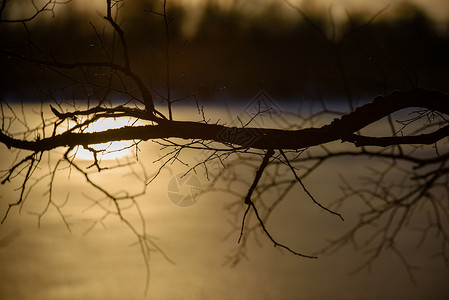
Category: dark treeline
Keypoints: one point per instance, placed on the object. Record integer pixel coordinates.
(287, 57)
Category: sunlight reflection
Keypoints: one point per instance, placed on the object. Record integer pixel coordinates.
(107, 151)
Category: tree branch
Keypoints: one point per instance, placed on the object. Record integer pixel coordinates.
(262, 138)
(304, 187)
(424, 139)
(251, 204)
(145, 93)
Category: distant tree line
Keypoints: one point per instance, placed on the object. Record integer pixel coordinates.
(288, 57)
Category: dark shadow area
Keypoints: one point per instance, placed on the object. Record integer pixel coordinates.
(286, 56)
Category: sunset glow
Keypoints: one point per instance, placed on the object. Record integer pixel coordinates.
(107, 151)
(224, 149)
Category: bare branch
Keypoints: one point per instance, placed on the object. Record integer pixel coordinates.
(305, 189)
(264, 138)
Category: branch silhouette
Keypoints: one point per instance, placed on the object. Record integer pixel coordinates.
(277, 158)
(342, 129)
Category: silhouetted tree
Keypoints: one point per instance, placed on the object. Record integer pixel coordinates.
(411, 166)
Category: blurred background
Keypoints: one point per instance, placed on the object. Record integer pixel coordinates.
(291, 49)
(308, 50)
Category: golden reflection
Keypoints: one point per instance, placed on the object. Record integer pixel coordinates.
(110, 150)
